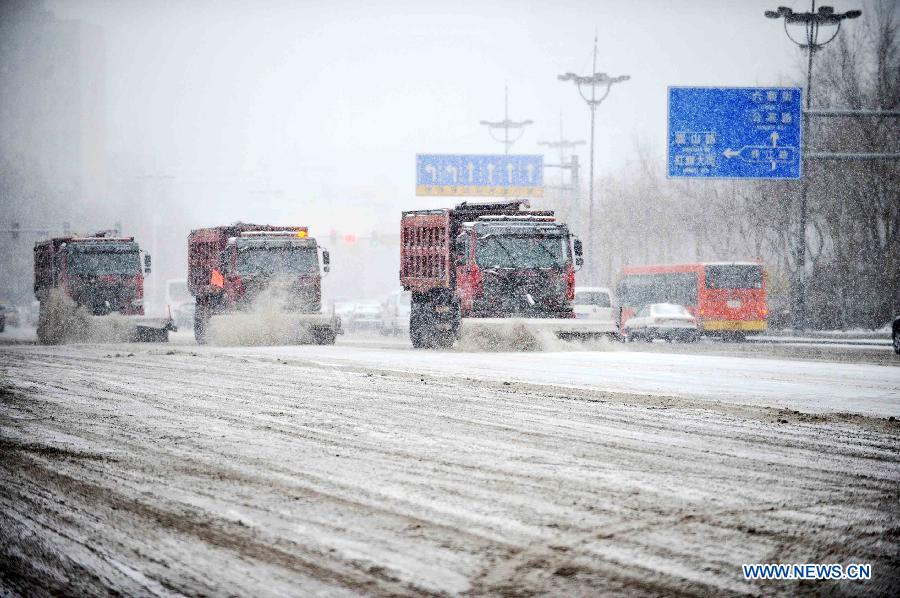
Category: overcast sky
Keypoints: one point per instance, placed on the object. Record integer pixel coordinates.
(300, 107)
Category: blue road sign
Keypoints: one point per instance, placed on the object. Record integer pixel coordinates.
(734, 132)
(479, 174)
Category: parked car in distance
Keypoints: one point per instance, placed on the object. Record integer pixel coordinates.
(181, 302)
(662, 320)
(896, 334)
(13, 316)
(366, 315)
(10, 315)
(32, 312)
(395, 313)
(343, 310)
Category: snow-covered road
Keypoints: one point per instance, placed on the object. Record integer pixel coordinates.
(161, 470)
(810, 386)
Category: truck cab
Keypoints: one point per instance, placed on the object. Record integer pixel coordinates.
(93, 276)
(485, 261)
(282, 261)
(509, 266)
(245, 267)
(101, 274)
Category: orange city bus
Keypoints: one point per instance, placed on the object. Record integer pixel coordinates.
(727, 298)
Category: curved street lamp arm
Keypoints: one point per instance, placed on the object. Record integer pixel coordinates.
(812, 35)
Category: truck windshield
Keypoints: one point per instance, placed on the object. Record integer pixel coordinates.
(99, 261)
(267, 259)
(508, 251)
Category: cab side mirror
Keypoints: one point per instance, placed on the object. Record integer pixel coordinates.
(326, 261)
(146, 263)
(579, 251)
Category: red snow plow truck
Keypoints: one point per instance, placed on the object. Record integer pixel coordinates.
(258, 284)
(491, 266)
(91, 288)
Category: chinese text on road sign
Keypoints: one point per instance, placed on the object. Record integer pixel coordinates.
(734, 132)
(480, 175)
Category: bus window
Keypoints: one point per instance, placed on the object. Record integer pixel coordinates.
(734, 276)
(679, 288)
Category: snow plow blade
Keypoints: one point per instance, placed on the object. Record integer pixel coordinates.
(135, 329)
(530, 334)
(79, 327)
(273, 328)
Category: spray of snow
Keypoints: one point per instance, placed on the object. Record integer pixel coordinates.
(523, 335)
(265, 322)
(61, 321)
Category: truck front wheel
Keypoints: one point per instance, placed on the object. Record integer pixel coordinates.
(417, 322)
(324, 336)
(433, 321)
(201, 323)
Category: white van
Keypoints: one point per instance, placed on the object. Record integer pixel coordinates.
(395, 313)
(595, 303)
(592, 303)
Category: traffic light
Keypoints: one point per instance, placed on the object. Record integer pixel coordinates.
(15, 230)
(332, 237)
(350, 239)
(373, 240)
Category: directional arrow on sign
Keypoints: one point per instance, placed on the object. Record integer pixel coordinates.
(774, 137)
(764, 153)
(479, 174)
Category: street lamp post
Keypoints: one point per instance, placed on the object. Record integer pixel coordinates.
(593, 81)
(506, 124)
(811, 21)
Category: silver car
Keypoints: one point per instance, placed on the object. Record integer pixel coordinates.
(662, 320)
(366, 315)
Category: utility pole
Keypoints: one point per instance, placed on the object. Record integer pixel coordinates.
(506, 124)
(595, 80)
(811, 21)
(565, 164)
